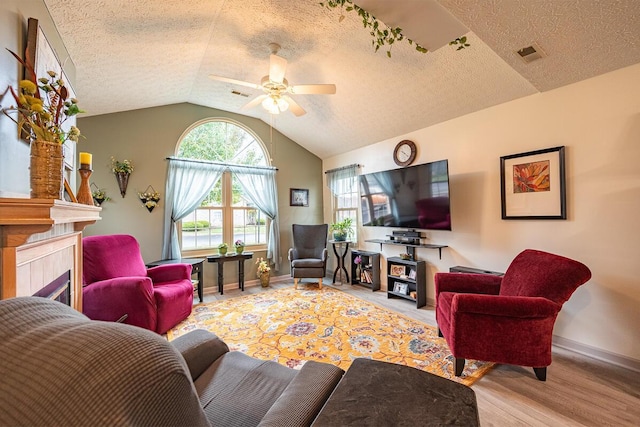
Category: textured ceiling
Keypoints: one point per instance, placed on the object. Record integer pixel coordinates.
(145, 53)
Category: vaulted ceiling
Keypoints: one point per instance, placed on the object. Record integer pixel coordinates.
(144, 53)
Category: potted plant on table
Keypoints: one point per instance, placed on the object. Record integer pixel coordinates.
(239, 244)
(342, 229)
(222, 248)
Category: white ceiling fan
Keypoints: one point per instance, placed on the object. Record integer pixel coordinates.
(276, 88)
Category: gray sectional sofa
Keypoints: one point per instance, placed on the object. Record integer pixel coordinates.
(60, 368)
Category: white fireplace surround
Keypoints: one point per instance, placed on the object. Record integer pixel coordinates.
(41, 239)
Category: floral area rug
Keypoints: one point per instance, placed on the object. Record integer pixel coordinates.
(292, 326)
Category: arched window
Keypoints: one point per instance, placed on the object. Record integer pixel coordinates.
(225, 215)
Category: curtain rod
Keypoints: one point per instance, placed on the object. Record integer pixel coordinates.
(344, 167)
(220, 164)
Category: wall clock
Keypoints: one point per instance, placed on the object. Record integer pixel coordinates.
(405, 153)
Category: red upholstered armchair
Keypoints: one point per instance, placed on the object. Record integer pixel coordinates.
(507, 319)
(116, 282)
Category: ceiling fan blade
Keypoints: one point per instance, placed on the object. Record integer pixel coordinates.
(277, 67)
(234, 81)
(294, 107)
(313, 89)
(255, 101)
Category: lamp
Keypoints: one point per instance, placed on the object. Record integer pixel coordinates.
(274, 104)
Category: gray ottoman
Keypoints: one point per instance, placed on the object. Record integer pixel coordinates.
(374, 393)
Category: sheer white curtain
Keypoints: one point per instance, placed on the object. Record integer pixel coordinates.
(188, 183)
(342, 180)
(259, 186)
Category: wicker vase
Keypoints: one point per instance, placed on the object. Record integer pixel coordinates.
(46, 170)
(264, 279)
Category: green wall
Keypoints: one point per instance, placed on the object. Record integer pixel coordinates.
(147, 137)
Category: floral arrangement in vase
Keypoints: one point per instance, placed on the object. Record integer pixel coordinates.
(149, 198)
(117, 166)
(122, 170)
(263, 266)
(43, 106)
(239, 244)
(263, 272)
(99, 195)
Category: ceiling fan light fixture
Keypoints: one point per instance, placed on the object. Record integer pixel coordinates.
(282, 105)
(275, 104)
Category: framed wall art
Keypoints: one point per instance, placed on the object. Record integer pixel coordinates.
(298, 197)
(533, 185)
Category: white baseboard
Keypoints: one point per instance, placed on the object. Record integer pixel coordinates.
(254, 282)
(596, 353)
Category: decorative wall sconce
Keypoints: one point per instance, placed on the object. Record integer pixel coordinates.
(122, 170)
(99, 195)
(149, 198)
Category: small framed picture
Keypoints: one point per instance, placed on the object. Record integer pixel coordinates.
(400, 288)
(412, 274)
(299, 197)
(397, 270)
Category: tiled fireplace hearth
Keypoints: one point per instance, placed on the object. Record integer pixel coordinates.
(41, 241)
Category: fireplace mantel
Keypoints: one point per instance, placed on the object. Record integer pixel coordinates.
(38, 238)
(21, 218)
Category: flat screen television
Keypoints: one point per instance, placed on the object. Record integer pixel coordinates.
(412, 197)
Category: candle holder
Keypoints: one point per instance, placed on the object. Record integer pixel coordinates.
(84, 195)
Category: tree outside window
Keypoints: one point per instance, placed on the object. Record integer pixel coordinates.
(225, 215)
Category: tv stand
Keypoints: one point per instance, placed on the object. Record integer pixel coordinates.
(411, 239)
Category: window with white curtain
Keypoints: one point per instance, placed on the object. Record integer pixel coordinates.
(226, 214)
(343, 183)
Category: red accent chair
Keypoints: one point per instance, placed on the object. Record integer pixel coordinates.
(507, 319)
(116, 282)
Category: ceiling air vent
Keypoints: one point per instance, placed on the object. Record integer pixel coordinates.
(235, 92)
(531, 53)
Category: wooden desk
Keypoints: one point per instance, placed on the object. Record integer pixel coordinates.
(221, 259)
(197, 267)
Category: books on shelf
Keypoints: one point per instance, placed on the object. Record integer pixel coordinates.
(366, 276)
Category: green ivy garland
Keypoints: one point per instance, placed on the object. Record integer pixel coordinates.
(382, 34)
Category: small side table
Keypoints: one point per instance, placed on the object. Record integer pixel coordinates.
(340, 258)
(221, 259)
(197, 267)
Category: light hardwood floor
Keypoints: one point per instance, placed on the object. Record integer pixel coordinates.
(579, 391)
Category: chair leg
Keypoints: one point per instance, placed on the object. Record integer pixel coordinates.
(295, 283)
(541, 373)
(320, 283)
(440, 333)
(459, 366)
